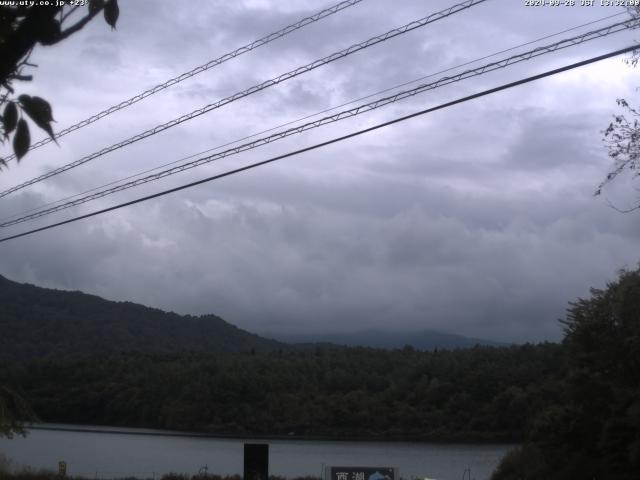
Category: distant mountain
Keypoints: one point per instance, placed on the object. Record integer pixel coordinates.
(39, 322)
(420, 340)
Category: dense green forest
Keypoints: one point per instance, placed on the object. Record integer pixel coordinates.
(482, 393)
(590, 428)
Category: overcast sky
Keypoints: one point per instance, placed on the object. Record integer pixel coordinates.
(478, 219)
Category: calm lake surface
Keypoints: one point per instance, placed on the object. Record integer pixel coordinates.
(145, 453)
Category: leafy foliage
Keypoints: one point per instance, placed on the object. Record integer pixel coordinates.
(592, 430)
(111, 12)
(39, 111)
(10, 118)
(622, 136)
(23, 27)
(482, 393)
(13, 411)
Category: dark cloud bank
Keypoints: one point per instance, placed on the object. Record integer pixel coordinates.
(478, 220)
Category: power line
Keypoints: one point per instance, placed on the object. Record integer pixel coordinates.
(379, 92)
(337, 117)
(254, 89)
(525, 56)
(329, 142)
(202, 68)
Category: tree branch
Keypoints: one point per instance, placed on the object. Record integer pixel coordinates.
(24, 78)
(24, 38)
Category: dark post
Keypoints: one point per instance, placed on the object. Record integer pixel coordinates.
(256, 461)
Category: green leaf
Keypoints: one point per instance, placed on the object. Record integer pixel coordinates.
(21, 139)
(39, 111)
(49, 33)
(95, 6)
(10, 118)
(111, 12)
(37, 108)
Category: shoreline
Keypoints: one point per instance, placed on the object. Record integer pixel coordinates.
(141, 431)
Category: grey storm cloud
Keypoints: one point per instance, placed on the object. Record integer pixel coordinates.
(479, 219)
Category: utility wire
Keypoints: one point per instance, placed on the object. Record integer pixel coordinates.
(336, 117)
(306, 117)
(256, 88)
(202, 68)
(329, 142)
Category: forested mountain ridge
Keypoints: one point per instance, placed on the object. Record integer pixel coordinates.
(78, 358)
(39, 322)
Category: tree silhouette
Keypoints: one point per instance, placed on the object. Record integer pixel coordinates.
(592, 427)
(22, 28)
(622, 136)
(13, 410)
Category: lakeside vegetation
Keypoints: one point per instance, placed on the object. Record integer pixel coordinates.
(574, 406)
(6, 474)
(479, 394)
(590, 426)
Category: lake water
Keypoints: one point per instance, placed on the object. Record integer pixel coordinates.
(110, 453)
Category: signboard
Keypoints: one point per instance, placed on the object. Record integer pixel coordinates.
(256, 461)
(360, 473)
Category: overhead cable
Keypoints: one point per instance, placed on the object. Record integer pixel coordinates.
(256, 88)
(328, 142)
(202, 68)
(333, 118)
(306, 117)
